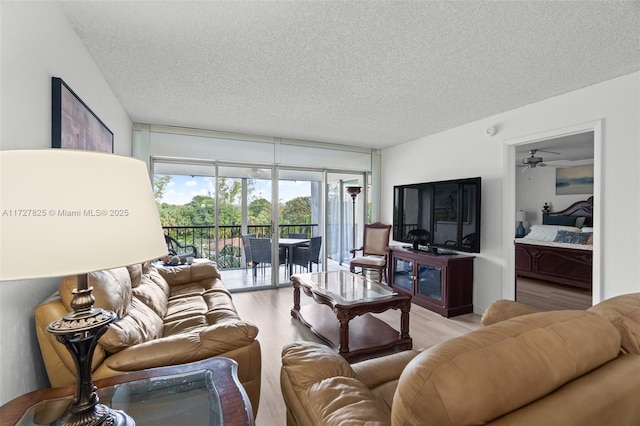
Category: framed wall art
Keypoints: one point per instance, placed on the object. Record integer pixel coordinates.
(574, 180)
(73, 124)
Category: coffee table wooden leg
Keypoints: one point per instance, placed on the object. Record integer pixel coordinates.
(343, 318)
(404, 320)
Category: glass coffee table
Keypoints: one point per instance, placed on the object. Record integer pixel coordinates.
(201, 393)
(347, 325)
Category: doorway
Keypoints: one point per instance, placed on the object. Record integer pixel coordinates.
(527, 190)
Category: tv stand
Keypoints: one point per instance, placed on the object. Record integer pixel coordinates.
(440, 282)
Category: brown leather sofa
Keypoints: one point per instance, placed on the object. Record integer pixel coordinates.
(551, 368)
(167, 316)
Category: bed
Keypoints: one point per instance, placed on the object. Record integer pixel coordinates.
(559, 250)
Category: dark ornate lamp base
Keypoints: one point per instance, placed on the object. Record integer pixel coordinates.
(79, 331)
(100, 415)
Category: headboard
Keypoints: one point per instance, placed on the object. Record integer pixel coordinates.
(582, 208)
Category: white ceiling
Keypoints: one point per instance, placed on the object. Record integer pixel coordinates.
(366, 73)
(563, 151)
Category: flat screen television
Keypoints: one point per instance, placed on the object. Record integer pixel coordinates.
(438, 215)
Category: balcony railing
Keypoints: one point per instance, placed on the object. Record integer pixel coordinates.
(229, 239)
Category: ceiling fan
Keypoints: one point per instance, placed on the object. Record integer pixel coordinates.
(532, 162)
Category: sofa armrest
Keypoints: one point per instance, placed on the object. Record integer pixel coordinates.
(504, 309)
(58, 361)
(378, 371)
(624, 312)
(320, 387)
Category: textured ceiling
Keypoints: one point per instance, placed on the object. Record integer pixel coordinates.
(368, 73)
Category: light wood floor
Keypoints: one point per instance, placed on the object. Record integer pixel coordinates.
(548, 297)
(270, 311)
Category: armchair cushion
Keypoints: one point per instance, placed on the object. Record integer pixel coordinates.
(369, 260)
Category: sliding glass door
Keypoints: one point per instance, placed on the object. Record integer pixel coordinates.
(223, 208)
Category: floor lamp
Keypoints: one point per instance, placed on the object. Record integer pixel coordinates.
(354, 191)
(77, 212)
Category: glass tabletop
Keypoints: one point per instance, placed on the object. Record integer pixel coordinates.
(180, 399)
(346, 287)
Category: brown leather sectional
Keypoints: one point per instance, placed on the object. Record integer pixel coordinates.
(167, 316)
(526, 368)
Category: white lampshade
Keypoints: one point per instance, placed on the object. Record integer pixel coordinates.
(67, 212)
(520, 216)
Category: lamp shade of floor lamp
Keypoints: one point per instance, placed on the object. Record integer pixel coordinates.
(77, 212)
(354, 191)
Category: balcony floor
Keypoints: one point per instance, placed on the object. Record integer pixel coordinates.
(242, 279)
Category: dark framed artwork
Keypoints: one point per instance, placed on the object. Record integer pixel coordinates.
(574, 180)
(73, 124)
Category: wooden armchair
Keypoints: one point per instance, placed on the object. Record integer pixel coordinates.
(375, 243)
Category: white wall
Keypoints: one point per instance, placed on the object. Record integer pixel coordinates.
(37, 42)
(533, 192)
(465, 151)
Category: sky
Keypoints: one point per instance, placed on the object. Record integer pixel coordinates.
(182, 189)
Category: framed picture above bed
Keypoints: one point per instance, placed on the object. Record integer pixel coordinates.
(73, 124)
(574, 180)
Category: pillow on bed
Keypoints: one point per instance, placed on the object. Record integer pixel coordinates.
(587, 229)
(571, 237)
(559, 220)
(548, 232)
(580, 221)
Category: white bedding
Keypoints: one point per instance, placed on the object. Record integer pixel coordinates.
(545, 235)
(532, 241)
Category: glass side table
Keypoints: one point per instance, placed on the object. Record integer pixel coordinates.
(201, 393)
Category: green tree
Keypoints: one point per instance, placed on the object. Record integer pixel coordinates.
(296, 210)
(259, 212)
(160, 183)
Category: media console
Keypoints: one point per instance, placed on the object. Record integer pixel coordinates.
(442, 283)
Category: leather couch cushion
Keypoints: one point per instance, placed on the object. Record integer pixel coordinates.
(140, 325)
(151, 294)
(135, 274)
(464, 380)
(111, 290)
(624, 312)
(185, 347)
(196, 272)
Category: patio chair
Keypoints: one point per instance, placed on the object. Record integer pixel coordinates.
(175, 248)
(247, 249)
(261, 254)
(298, 235)
(306, 256)
(375, 242)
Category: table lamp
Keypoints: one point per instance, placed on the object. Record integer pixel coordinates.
(77, 212)
(520, 218)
